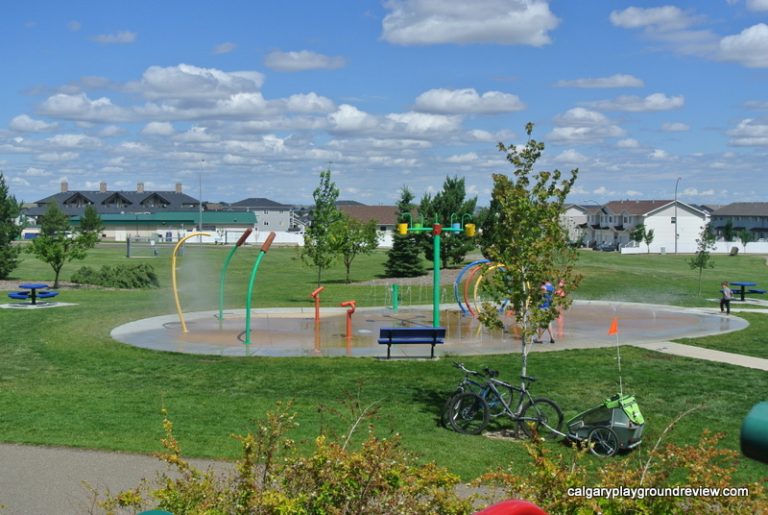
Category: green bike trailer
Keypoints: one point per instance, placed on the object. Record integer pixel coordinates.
(615, 425)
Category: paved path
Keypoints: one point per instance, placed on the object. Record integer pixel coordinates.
(46, 480)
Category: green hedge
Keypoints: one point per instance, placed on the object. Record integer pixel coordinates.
(118, 276)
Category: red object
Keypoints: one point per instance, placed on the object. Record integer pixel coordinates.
(512, 507)
(316, 295)
(351, 305)
(244, 237)
(265, 246)
(437, 229)
(614, 326)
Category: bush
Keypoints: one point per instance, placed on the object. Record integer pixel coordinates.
(379, 478)
(118, 276)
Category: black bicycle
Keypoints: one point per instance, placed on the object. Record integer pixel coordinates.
(469, 412)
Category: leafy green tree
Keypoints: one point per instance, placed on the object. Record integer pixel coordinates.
(728, 232)
(318, 250)
(703, 259)
(642, 234)
(745, 237)
(523, 233)
(648, 239)
(447, 206)
(91, 224)
(58, 243)
(404, 258)
(10, 230)
(351, 238)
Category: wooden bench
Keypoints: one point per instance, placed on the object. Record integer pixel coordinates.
(390, 336)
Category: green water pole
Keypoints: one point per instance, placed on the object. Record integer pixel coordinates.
(395, 297)
(264, 249)
(436, 230)
(224, 273)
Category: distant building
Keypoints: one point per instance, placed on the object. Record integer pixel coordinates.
(384, 216)
(749, 216)
(273, 216)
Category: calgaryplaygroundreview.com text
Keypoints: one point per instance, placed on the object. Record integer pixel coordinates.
(643, 492)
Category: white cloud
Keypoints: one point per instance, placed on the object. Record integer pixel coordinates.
(302, 60)
(614, 81)
(121, 38)
(757, 5)
(465, 101)
(36, 172)
(469, 157)
(309, 103)
(24, 123)
(111, 130)
(580, 125)
(675, 127)
(581, 116)
(749, 133)
(664, 18)
(428, 22)
(224, 48)
(749, 48)
(628, 143)
(74, 141)
(653, 102)
(349, 118)
(658, 154)
(58, 157)
(633, 193)
(421, 123)
(570, 156)
(158, 129)
(186, 81)
(74, 25)
(80, 107)
(695, 192)
(196, 135)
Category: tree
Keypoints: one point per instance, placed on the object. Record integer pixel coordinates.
(447, 206)
(641, 234)
(703, 259)
(728, 231)
(57, 243)
(10, 230)
(523, 233)
(351, 238)
(745, 237)
(90, 223)
(318, 248)
(404, 258)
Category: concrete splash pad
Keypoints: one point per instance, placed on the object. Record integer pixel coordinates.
(291, 331)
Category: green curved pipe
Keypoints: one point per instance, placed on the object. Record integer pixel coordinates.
(264, 248)
(224, 272)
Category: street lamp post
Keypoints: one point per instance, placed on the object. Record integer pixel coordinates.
(677, 182)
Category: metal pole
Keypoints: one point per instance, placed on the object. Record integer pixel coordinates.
(676, 221)
(436, 230)
(224, 272)
(264, 248)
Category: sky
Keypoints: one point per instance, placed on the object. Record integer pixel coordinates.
(239, 98)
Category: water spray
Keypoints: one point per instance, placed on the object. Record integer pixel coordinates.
(173, 276)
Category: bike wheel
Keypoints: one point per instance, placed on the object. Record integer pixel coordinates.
(542, 417)
(603, 442)
(468, 413)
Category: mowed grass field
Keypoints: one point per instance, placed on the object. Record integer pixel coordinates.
(64, 381)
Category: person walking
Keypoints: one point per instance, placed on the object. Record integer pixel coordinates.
(548, 291)
(725, 300)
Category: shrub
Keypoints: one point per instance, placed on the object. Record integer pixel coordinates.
(118, 276)
(378, 478)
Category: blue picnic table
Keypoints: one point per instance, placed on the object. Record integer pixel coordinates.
(743, 285)
(32, 293)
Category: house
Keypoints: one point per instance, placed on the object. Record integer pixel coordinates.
(273, 216)
(384, 216)
(676, 225)
(580, 222)
(743, 216)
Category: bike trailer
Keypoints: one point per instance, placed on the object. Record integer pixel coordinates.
(616, 424)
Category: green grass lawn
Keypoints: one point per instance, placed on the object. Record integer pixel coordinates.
(64, 381)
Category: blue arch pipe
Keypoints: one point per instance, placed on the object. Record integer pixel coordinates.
(457, 281)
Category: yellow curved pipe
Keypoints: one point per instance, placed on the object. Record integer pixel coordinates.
(480, 279)
(173, 276)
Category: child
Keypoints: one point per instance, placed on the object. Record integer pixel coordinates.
(725, 301)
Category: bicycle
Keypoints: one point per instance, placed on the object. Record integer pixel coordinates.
(469, 412)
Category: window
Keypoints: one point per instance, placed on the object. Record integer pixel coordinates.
(266, 222)
(674, 220)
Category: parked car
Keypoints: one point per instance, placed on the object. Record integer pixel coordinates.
(607, 246)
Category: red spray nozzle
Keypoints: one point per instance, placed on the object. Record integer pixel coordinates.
(244, 237)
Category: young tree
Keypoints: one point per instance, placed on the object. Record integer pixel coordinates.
(637, 234)
(352, 238)
(523, 233)
(91, 224)
(57, 244)
(318, 250)
(449, 205)
(703, 259)
(648, 239)
(10, 209)
(404, 258)
(745, 237)
(728, 231)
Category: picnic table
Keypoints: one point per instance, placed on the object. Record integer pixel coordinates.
(743, 285)
(32, 293)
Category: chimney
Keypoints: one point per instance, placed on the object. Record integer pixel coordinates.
(103, 187)
(178, 187)
(64, 186)
(140, 187)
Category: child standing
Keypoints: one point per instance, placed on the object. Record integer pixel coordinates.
(725, 300)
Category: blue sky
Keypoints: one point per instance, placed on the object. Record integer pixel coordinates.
(254, 99)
